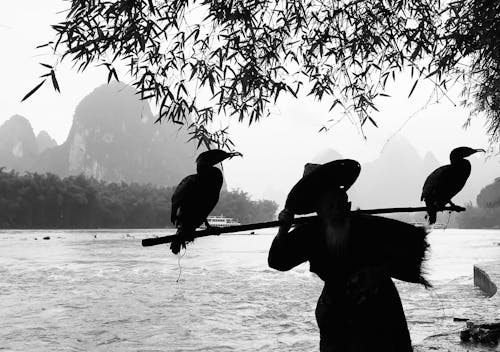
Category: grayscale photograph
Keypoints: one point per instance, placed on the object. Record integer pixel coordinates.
(250, 175)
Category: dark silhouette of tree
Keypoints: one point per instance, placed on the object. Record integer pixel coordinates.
(32, 200)
(487, 212)
(196, 59)
(479, 218)
(471, 47)
(237, 204)
(265, 210)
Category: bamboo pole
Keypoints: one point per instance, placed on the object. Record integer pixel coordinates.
(147, 242)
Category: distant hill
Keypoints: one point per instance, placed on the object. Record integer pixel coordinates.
(18, 145)
(113, 138)
(395, 178)
(44, 141)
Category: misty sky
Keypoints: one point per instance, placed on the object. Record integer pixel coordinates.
(274, 150)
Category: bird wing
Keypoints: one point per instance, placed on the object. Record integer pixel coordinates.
(195, 197)
(461, 172)
(183, 193)
(433, 183)
(444, 183)
(207, 196)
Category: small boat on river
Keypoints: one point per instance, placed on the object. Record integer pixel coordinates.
(220, 221)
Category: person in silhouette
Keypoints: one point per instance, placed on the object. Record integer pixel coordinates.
(359, 308)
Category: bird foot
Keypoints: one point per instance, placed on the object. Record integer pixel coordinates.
(176, 246)
(184, 236)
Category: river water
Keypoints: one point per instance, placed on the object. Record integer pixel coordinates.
(102, 291)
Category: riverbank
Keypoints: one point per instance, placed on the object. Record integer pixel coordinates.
(486, 279)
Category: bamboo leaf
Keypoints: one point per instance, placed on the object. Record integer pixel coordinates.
(372, 121)
(33, 91)
(44, 45)
(334, 104)
(54, 81)
(413, 88)
(432, 73)
(151, 6)
(211, 81)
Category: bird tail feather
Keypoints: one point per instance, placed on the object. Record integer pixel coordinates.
(184, 235)
(432, 216)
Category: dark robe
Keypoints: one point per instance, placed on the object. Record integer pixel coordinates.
(359, 308)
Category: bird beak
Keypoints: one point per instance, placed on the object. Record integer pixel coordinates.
(480, 150)
(233, 154)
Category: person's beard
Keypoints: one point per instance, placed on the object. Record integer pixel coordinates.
(337, 235)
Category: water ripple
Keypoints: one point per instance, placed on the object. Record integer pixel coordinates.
(78, 293)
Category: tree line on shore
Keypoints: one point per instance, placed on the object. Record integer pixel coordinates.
(33, 200)
(487, 212)
(476, 217)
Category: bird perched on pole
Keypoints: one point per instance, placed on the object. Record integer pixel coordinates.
(196, 196)
(446, 181)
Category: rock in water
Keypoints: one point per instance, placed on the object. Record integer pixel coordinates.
(486, 333)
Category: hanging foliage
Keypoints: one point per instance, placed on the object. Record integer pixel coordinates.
(200, 58)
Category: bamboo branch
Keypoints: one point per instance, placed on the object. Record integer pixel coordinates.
(215, 231)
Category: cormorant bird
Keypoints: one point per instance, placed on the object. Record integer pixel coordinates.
(196, 196)
(446, 181)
